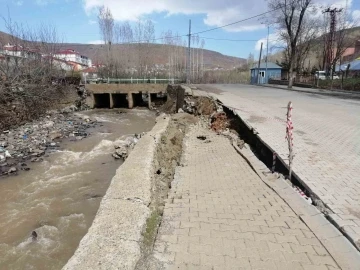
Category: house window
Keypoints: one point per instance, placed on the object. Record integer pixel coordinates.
(262, 74)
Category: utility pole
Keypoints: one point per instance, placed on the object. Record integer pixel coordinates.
(329, 51)
(267, 55)
(258, 73)
(189, 56)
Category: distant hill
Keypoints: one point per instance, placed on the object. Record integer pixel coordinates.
(156, 53)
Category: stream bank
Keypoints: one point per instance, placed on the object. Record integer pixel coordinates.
(59, 197)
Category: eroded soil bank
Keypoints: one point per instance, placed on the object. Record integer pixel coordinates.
(59, 197)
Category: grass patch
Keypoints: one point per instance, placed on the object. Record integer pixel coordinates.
(152, 225)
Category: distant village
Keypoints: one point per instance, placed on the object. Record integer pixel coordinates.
(67, 60)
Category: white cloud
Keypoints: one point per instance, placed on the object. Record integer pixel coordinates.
(275, 42)
(19, 3)
(98, 41)
(92, 22)
(216, 12)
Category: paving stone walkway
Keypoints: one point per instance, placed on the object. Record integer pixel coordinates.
(220, 215)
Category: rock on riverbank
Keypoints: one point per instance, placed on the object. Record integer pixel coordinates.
(29, 142)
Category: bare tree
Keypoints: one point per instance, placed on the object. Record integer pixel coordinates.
(30, 76)
(343, 38)
(289, 17)
(202, 57)
(106, 27)
(306, 42)
(106, 24)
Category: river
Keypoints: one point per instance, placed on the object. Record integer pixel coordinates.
(59, 197)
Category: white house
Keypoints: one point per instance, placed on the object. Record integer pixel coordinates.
(20, 51)
(70, 55)
(67, 60)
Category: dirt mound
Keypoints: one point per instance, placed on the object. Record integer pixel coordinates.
(169, 107)
(205, 106)
(219, 122)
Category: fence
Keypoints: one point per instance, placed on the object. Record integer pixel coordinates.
(132, 81)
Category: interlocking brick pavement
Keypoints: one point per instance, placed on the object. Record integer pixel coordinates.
(220, 215)
(326, 142)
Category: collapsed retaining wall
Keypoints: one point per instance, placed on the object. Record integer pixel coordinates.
(114, 240)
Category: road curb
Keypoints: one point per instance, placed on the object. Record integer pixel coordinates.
(342, 94)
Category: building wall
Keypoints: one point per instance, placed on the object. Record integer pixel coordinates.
(264, 78)
(75, 58)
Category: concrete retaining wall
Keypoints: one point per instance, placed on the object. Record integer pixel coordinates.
(126, 88)
(113, 241)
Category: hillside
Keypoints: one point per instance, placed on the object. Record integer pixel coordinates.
(156, 53)
(315, 54)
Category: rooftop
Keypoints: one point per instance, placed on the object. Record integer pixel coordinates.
(269, 65)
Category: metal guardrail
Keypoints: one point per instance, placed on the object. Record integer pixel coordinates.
(132, 81)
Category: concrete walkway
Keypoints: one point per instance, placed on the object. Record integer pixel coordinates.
(221, 215)
(326, 142)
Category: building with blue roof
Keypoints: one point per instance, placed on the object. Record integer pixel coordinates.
(354, 66)
(264, 73)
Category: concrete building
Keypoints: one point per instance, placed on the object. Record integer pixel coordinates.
(264, 73)
(70, 55)
(20, 52)
(89, 74)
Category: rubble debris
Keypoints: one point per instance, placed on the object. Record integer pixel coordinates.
(31, 140)
(12, 170)
(219, 122)
(199, 105)
(80, 103)
(124, 147)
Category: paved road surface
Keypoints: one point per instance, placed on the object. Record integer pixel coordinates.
(220, 215)
(326, 142)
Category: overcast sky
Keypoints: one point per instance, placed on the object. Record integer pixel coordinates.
(76, 19)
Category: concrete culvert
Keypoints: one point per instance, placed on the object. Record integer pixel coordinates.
(120, 101)
(158, 99)
(139, 101)
(101, 100)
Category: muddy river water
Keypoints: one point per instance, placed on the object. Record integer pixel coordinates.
(59, 197)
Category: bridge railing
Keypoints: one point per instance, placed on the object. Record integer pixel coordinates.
(132, 81)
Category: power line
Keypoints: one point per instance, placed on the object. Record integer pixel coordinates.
(212, 29)
(225, 39)
(237, 40)
(243, 20)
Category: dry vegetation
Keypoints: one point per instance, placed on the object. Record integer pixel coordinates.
(27, 86)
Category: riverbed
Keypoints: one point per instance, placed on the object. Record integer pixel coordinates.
(59, 197)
